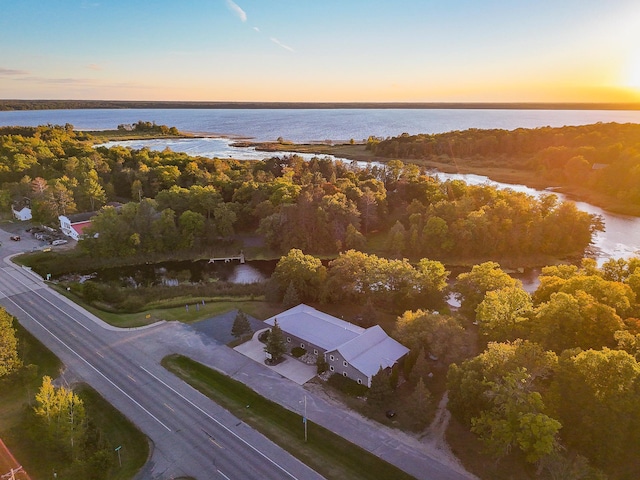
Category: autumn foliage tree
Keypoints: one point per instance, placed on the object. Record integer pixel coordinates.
(9, 359)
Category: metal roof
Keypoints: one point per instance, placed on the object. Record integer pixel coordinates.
(316, 327)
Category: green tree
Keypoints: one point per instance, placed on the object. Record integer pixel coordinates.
(291, 297)
(431, 282)
(599, 405)
(9, 359)
(569, 321)
(380, 391)
(503, 313)
(305, 272)
(421, 368)
(241, 325)
(396, 240)
(354, 239)
(516, 418)
(440, 335)
(191, 227)
(419, 404)
(470, 288)
(467, 382)
(276, 345)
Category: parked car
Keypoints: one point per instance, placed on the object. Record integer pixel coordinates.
(15, 238)
(58, 242)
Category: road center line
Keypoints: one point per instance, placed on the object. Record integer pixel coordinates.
(220, 424)
(89, 364)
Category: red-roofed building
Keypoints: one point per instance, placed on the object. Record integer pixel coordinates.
(74, 225)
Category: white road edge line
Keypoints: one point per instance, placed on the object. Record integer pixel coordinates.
(222, 474)
(89, 364)
(49, 302)
(220, 424)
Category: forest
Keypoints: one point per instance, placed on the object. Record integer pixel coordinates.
(548, 380)
(318, 206)
(603, 158)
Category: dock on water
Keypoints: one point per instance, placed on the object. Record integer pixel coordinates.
(228, 259)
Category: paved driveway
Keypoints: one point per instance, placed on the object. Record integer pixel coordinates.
(290, 368)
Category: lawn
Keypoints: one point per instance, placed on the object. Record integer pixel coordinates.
(327, 453)
(175, 309)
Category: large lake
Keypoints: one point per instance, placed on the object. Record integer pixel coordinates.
(318, 124)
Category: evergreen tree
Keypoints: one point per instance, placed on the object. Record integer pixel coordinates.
(241, 325)
(419, 404)
(421, 368)
(276, 345)
(380, 390)
(321, 364)
(291, 297)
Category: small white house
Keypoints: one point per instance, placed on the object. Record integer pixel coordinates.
(22, 210)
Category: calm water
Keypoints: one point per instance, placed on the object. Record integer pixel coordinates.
(318, 125)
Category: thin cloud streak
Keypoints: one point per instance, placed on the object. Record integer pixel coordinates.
(280, 44)
(8, 72)
(235, 8)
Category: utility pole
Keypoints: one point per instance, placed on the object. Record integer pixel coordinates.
(12, 474)
(305, 418)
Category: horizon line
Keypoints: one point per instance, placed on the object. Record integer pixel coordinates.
(51, 104)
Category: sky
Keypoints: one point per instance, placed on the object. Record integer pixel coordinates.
(321, 50)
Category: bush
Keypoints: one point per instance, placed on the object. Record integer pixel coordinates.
(133, 304)
(347, 386)
(321, 365)
(298, 352)
(264, 336)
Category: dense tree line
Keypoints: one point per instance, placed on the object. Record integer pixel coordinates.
(560, 366)
(319, 206)
(603, 157)
(360, 278)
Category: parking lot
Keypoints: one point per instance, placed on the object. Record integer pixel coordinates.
(28, 241)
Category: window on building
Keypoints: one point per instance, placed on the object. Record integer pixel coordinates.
(331, 368)
(315, 351)
(344, 363)
(332, 358)
(289, 339)
(359, 381)
(302, 345)
(344, 374)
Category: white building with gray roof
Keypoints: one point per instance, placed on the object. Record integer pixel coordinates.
(348, 349)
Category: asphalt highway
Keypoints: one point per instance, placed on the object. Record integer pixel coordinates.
(191, 435)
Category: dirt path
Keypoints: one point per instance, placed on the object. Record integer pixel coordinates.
(434, 436)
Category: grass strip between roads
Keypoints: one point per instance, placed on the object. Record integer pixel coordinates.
(327, 453)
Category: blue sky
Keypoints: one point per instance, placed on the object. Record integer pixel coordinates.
(321, 50)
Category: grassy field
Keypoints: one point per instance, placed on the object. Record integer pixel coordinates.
(329, 454)
(117, 431)
(17, 394)
(174, 309)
